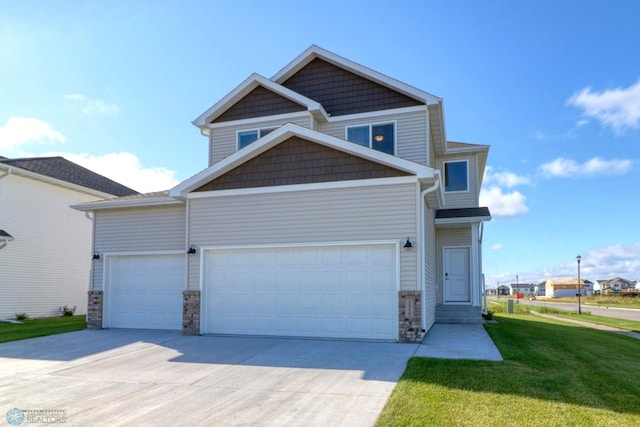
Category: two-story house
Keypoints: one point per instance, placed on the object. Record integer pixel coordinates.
(333, 206)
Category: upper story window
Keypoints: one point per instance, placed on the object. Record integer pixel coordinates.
(380, 137)
(246, 137)
(456, 176)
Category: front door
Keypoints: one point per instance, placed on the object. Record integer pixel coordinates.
(457, 287)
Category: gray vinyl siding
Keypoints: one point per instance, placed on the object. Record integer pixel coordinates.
(430, 287)
(446, 238)
(462, 199)
(141, 230)
(362, 214)
(47, 264)
(411, 132)
(222, 140)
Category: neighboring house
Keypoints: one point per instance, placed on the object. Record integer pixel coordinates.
(564, 287)
(615, 285)
(527, 289)
(45, 246)
(333, 206)
(504, 290)
(540, 289)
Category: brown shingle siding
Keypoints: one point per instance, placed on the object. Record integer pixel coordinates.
(297, 161)
(341, 92)
(259, 102)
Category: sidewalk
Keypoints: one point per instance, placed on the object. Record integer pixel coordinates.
(590, 325)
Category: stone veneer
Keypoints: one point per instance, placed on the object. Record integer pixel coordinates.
(191, 312)
(94, 310)
(410, 312)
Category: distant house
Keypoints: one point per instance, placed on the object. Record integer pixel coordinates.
(615, 285)
(564, 287)
(540, 289)
(522, 288)
(503, 290)
(45, 246)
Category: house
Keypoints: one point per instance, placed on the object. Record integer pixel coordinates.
(503, 290)
(615, 285)
(333, 206)
(540, 289)
(527, 289)
(564, 288)
(44, 245)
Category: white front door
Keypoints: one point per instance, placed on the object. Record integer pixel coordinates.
(457, 287)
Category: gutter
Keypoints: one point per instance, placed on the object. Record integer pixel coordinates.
(423, 265)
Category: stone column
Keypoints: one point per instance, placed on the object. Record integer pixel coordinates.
(94, 310)
(191, 313)
(410, 313)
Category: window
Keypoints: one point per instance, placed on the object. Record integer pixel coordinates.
(456, 176)
(380, 137)
(246, 137)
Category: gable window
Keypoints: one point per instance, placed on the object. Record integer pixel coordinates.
(380, 137)
(246, 137)
(456, 176)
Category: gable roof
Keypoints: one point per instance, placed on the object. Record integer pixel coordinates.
(246, 87)
(60, 170)
(314, 52)
(281, 135)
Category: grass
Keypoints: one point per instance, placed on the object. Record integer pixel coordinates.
(554, 374)
(32, 328)
(616, 301)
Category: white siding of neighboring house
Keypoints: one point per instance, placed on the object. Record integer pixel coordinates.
(411, 132)
(446, 238)
(47, 265)
(137, 230)
(313, 216)
(462, 199)
(223, 142)
(430, 291)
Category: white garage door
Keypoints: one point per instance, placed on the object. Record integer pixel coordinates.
(345, 291)
(144, 291)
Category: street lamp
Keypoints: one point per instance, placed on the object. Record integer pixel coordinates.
(578, 258)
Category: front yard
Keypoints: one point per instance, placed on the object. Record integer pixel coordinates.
(32, 328)
(554, 374)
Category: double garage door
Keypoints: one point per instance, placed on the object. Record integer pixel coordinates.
(336, 291)
(340, 291)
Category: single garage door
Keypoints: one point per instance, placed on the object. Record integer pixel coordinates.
(338, 291)
(144, 291)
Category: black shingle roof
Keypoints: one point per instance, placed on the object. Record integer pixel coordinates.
(64, 170)
(462, 213)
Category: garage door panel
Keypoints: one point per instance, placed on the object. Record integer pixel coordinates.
(144, 291)
(324, 291)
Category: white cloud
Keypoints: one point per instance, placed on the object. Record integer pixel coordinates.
(503, 205)
(496, 246)
(617, 108)
(504, 179)
(23, 130)
(596, 166)
(126, 169)
(93, 107)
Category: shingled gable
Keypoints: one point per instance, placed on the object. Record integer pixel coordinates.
(292, 151)
(247, 100)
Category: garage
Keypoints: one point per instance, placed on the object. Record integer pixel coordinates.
(144, 291)
(332, 291)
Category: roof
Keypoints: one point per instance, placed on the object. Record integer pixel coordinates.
(156, 198)
(566, 281)
(462, 215)
(62, 169)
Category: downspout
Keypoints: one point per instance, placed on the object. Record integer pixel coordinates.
(423, 265)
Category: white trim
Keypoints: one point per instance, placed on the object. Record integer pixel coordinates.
(244, 88)
(444, 168)
(205, 249)
(377, 113)
(304, 187)
(371, 125)
(282, 134)
(462, 220)
(317, 52)
(126, 203)
(469, 278)
(255, 121)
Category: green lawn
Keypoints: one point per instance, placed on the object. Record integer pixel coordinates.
(41, 327)
(554, 374)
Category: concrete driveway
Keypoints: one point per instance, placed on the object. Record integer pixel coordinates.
(118, 377)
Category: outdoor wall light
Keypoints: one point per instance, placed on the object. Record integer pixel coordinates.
(4, 238)
(192, 250)
(408, 244)
(96, 256)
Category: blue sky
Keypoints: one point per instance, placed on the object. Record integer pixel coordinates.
(553, 87)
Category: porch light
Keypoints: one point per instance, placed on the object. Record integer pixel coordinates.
(379, 138)
(4, 238)
(579, 258)
(192, 250)
(95, 256)
(408, 244)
